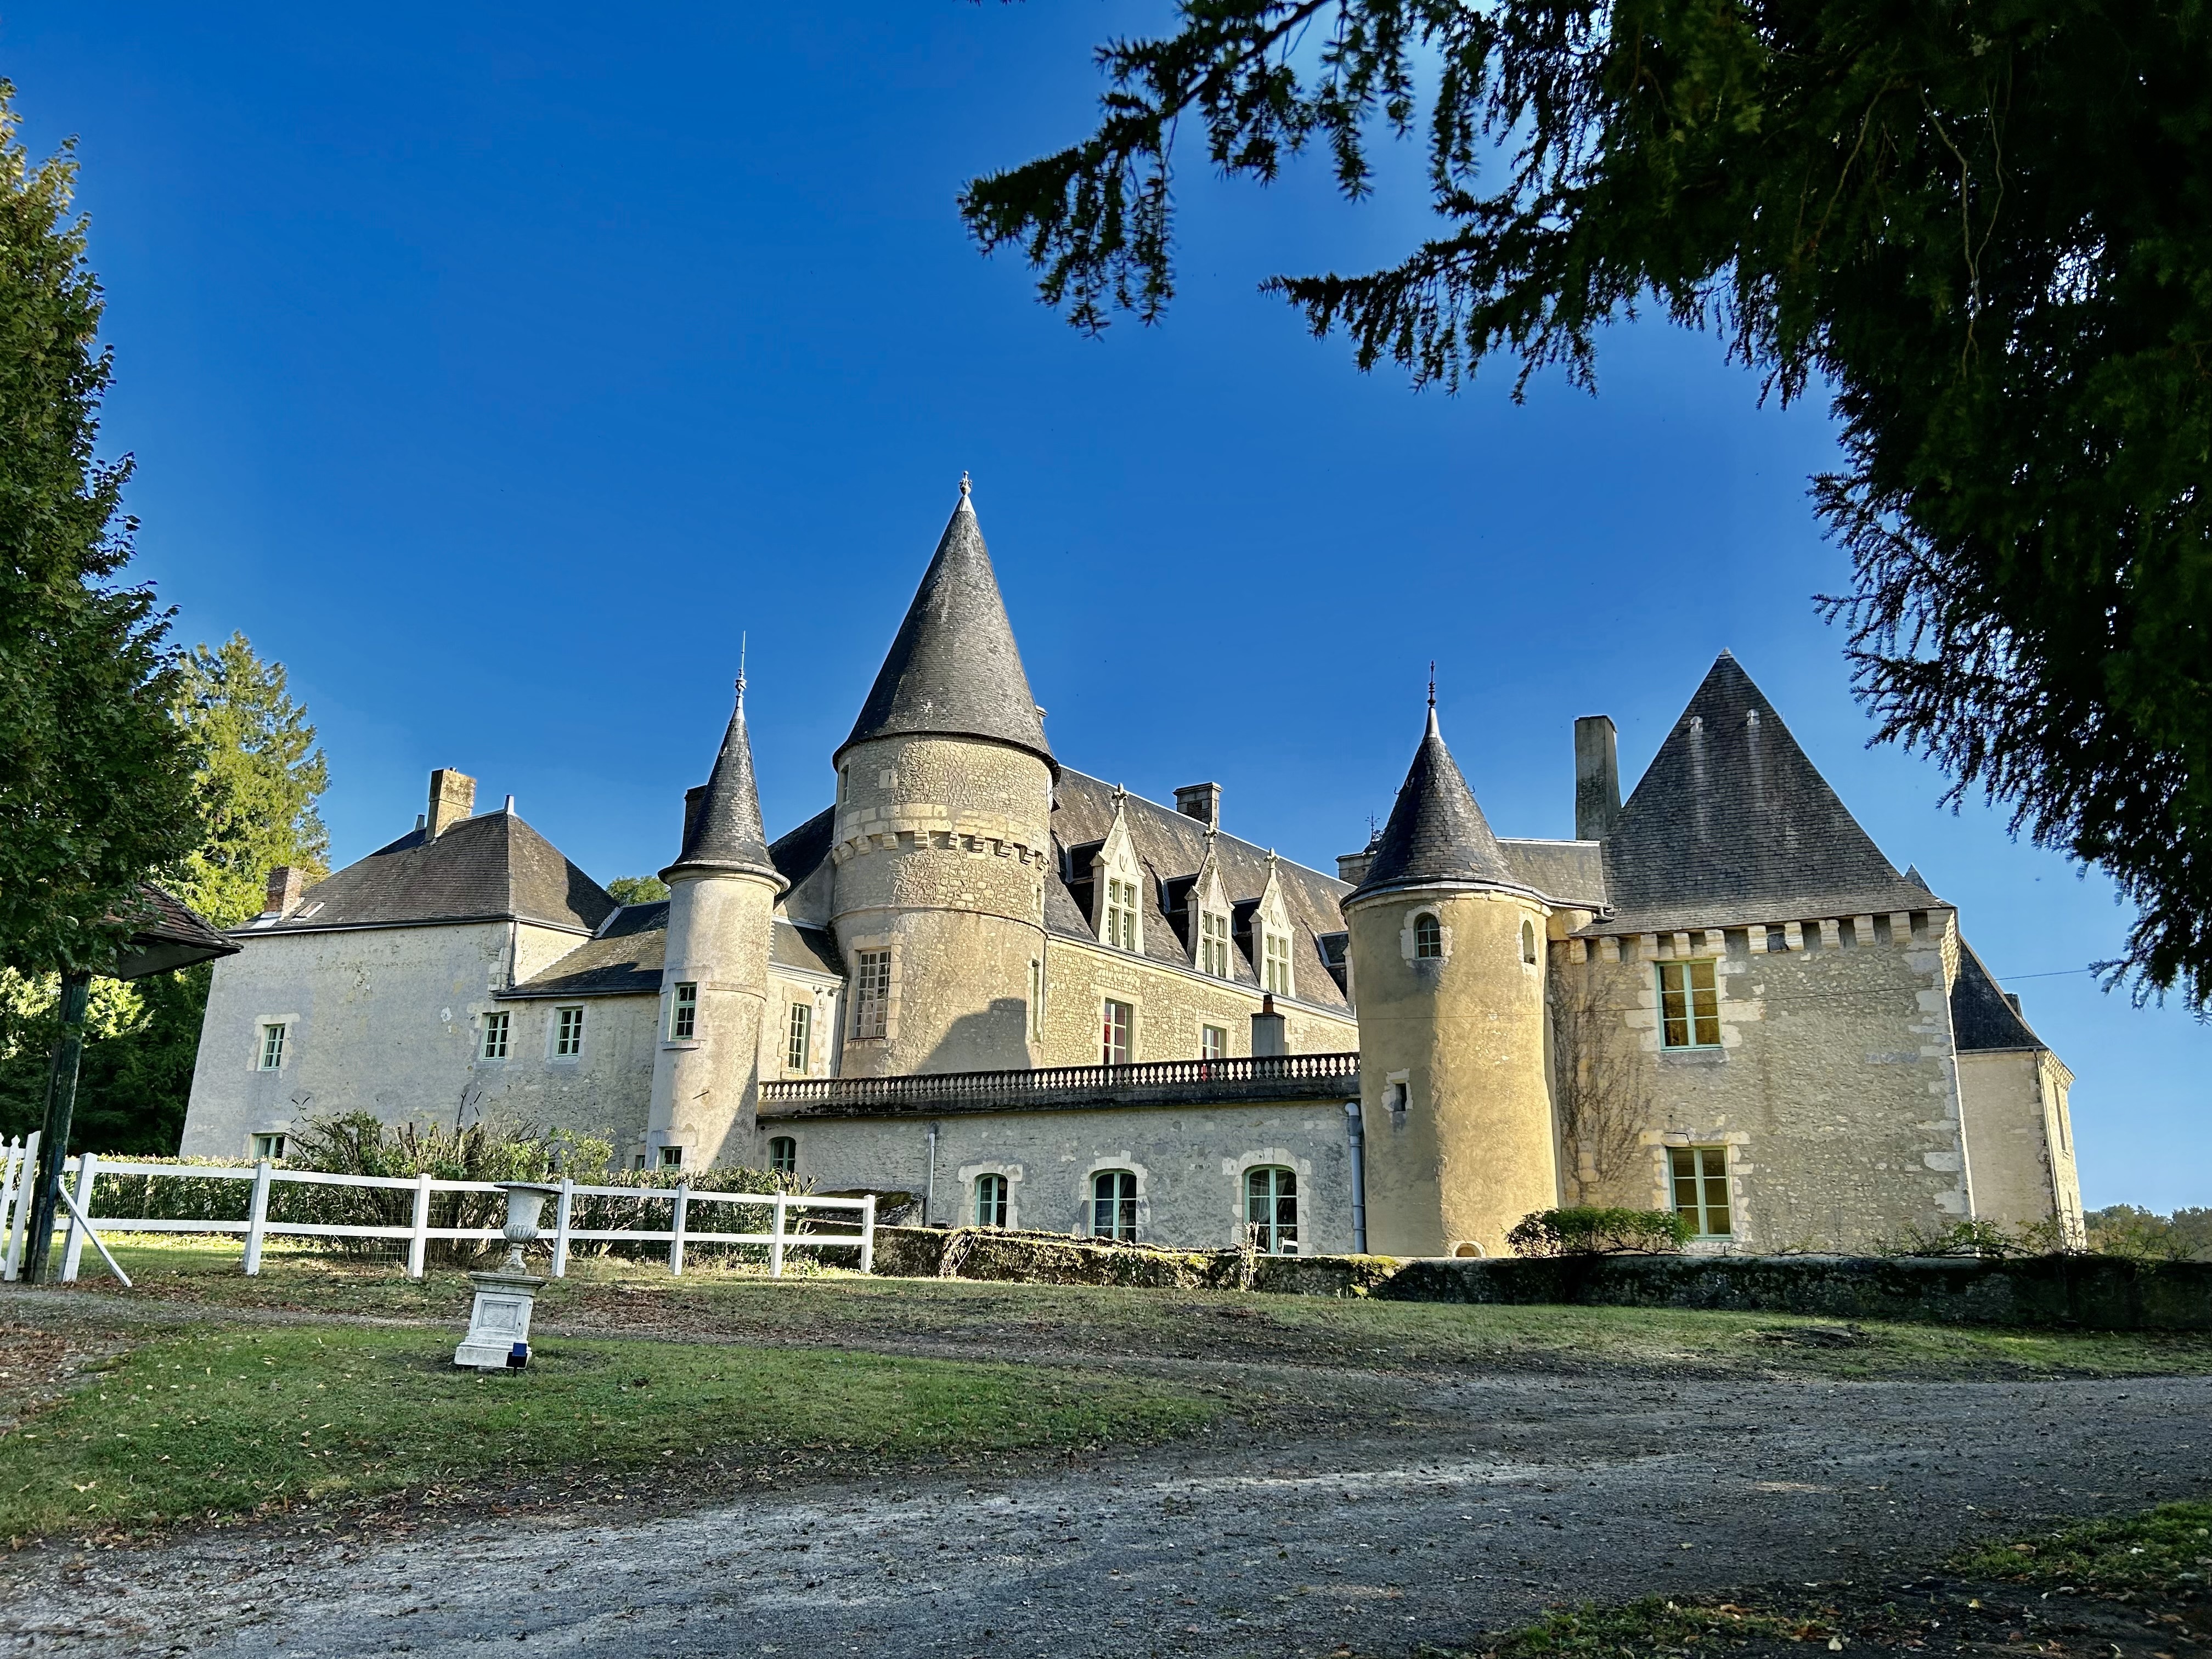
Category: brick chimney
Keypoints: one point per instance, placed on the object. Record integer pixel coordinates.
(452, 798)
(287, 882)
(1201, 801)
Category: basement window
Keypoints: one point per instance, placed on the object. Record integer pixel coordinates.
(1689, 1006)
(269, 1147)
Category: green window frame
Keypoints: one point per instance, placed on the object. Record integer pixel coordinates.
(495, 1036)
(990, 1200)
(783, 1155)
(1689, 1005)
(683, 1013)
(1701, 1189)
(1270, 1209)
(568, 1033)
(1114, 1205)
(272, 1047)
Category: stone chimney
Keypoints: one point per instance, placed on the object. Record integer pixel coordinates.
(452, 798)
(1201, 801)
(1597, 778)
(693, 798)
(1267, 1031)
(287, 882)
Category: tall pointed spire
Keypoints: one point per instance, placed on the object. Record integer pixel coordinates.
(722, 832)
(1436, 832)
(953, 670)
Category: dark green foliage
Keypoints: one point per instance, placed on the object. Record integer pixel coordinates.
(94, 778)
(1591, 1230)
(2124, 1230)
(1984, 225)
(636, 890)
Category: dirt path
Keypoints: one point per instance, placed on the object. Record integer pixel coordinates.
(1501, 1495)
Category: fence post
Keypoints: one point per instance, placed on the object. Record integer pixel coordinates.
(257, 1216)
(561, 1214)
(775, 1244)
(675, 1227)
(17, 1213)
(868, 1234)
(418, 1242)
(73, 1252)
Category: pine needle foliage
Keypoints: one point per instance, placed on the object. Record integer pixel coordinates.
(1982, 226)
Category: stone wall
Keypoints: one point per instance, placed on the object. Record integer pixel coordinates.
(1171, 1006)
(2019, 1151)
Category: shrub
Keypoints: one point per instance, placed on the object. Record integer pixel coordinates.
(1589, 1230)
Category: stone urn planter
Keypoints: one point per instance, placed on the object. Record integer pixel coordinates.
(498, 1323)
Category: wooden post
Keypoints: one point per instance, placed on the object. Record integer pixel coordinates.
(418, 1243)
(73, 1250)
(561, 1214)
(675, 1227)
(257, 1218)
(775, 1244)
(19, 1224)
(61, 1105)
(868, 1234)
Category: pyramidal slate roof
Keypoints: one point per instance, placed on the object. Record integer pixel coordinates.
(1732, 823)
(493, 868)
(1983, 1017)
(1436, 831)
(724, 831)
(953, 669)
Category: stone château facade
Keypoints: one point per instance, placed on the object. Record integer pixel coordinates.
(1029, 998)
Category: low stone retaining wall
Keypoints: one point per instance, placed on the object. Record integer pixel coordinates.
(2090, 1292)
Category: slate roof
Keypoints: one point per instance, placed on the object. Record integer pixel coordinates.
(953, 669)
(493, 868)
(1436, 831)
(1982, 1019)
(797, 853)
(813, 949)
(1732, 823)
(624, 960)
(1571, 871)
(722, 829)
(170, 935)
(1170, 845)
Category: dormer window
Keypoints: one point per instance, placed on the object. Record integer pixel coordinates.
(1120, 913)
(1277, 950)
(1213, 944)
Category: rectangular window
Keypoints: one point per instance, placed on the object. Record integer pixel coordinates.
(1701, 1189)
(272, 1047)
(990, 1200)
(1279, 963)
(568, 1033)
(1036, 1001)
(495, 1036)
(1120, 1023)
(684, 1014)
(671, 1157)
(1114, 1205)
(1213, 944)
(1120, 913)
(871, 995)
(269, 1147)
(1213, 1043)
(1689, 1006)
(1270, 1211)
(799, 1046)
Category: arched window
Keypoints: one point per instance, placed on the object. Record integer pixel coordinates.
(783, 1155)
(1528, 942)
(1428, 936)
(1270, 1209)
(990, 1200)
(1114, 1205)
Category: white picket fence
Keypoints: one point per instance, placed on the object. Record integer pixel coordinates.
(790, 1226)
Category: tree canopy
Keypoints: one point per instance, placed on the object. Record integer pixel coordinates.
(94, 777)
(1983, 228)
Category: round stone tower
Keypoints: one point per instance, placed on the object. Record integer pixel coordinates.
(722, 891)
(943, 834)
(1447, 974)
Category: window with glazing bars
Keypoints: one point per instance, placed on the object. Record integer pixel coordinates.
(1701, 1189)
(1428, 936)
(990, 1200)
(1213, 1043)
(1689, 1006)
(1120, 913)
(1116, 1029)
(568, 1033)
(683, 1013)
(799, 1042)
(1279, 963)
(1271, 1210)
(1213, 944)
(495, 1036)
(272, 1047)
(1114, 1205)
(783, 1155)
(871, 994)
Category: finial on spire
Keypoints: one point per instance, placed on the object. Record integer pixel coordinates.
(741, 670)
(1433, 683)
(964, 485)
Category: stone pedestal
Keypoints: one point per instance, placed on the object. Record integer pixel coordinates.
(499, 1324)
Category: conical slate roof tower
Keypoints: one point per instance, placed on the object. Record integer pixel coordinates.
(722, 831)
(953, 670)
(1436, 832)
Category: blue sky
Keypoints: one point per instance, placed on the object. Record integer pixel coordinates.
(494, 373)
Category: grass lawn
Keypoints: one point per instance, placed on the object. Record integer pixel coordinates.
(711, 1302)
(218, 1422)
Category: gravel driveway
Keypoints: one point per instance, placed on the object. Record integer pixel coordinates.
(1496, 1496)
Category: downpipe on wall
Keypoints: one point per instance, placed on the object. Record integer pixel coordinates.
(929, 1182)
(1357, 1133)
